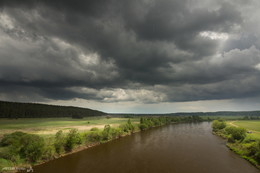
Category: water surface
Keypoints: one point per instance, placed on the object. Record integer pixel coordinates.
(177, 148)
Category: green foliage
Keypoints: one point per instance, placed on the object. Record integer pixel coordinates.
(237, 133)
(5, 163)
(251, 117)
(8, 154)
(218, 125)
(32, 147)
(143, 126)
(128, 127)
(106, 133)
(73, 138)
(49, 152)
(148, 122)
(94, 129)
(60, 141)
(11, 139)
(116, 132)
(94, 136)
(27, 146)
(256, 155)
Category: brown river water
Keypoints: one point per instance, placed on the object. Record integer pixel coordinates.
(176, 148)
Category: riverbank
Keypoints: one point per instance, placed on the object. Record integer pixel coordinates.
(63, 144)
(169, 148)
(239, 140)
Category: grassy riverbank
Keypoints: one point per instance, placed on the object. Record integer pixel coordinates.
(242, 138)
(20, 149)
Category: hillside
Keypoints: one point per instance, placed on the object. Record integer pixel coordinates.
(219, 113)
(33, 110)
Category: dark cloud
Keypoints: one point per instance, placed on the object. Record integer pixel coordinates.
(125, 50)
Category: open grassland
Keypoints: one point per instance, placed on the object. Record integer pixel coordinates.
(49, 126)
(250, 125)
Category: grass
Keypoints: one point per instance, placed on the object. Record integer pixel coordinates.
(47, 126)
(250, 125)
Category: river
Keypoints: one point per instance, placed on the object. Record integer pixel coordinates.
(176, 148)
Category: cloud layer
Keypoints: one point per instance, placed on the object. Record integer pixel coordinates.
(145, 51)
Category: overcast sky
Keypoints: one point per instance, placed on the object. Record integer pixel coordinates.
(143, 56)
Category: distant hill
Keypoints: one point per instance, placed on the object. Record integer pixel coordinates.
(220, 113)
(35, 110)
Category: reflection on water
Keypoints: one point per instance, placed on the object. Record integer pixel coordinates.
(178, 148)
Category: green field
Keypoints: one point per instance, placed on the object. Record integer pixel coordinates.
(47, 126)
(250, 125)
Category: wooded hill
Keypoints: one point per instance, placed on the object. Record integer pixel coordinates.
(220, 113)
(33, 110)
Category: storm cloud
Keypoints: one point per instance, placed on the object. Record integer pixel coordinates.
(145, 51)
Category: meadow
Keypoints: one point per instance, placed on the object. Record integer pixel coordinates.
(250, 125)
(49, 126)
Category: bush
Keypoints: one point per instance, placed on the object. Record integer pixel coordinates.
(49, 152)
(32, 147)
(11, 139)
(236, 133)
(73, 138)
(94, 129)
(59, 142)
(257, 153)
(106, 133)
(8, 154)
(94, 136)
(218, 125)
(22, 145)
(5, 163)
(143, 126)
(116, 132)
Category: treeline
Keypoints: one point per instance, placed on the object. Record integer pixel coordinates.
(238, 141)
(251, 118)
(221, 113)
(33, 110)
(20, 148)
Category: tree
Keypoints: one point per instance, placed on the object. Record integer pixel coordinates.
(218, 125)
(72, 139)
(236, 133)
(59, 142)
(32, 147)
(106, 134)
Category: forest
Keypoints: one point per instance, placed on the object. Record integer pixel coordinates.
(35, 110)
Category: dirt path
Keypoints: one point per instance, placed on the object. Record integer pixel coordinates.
(232, 124)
